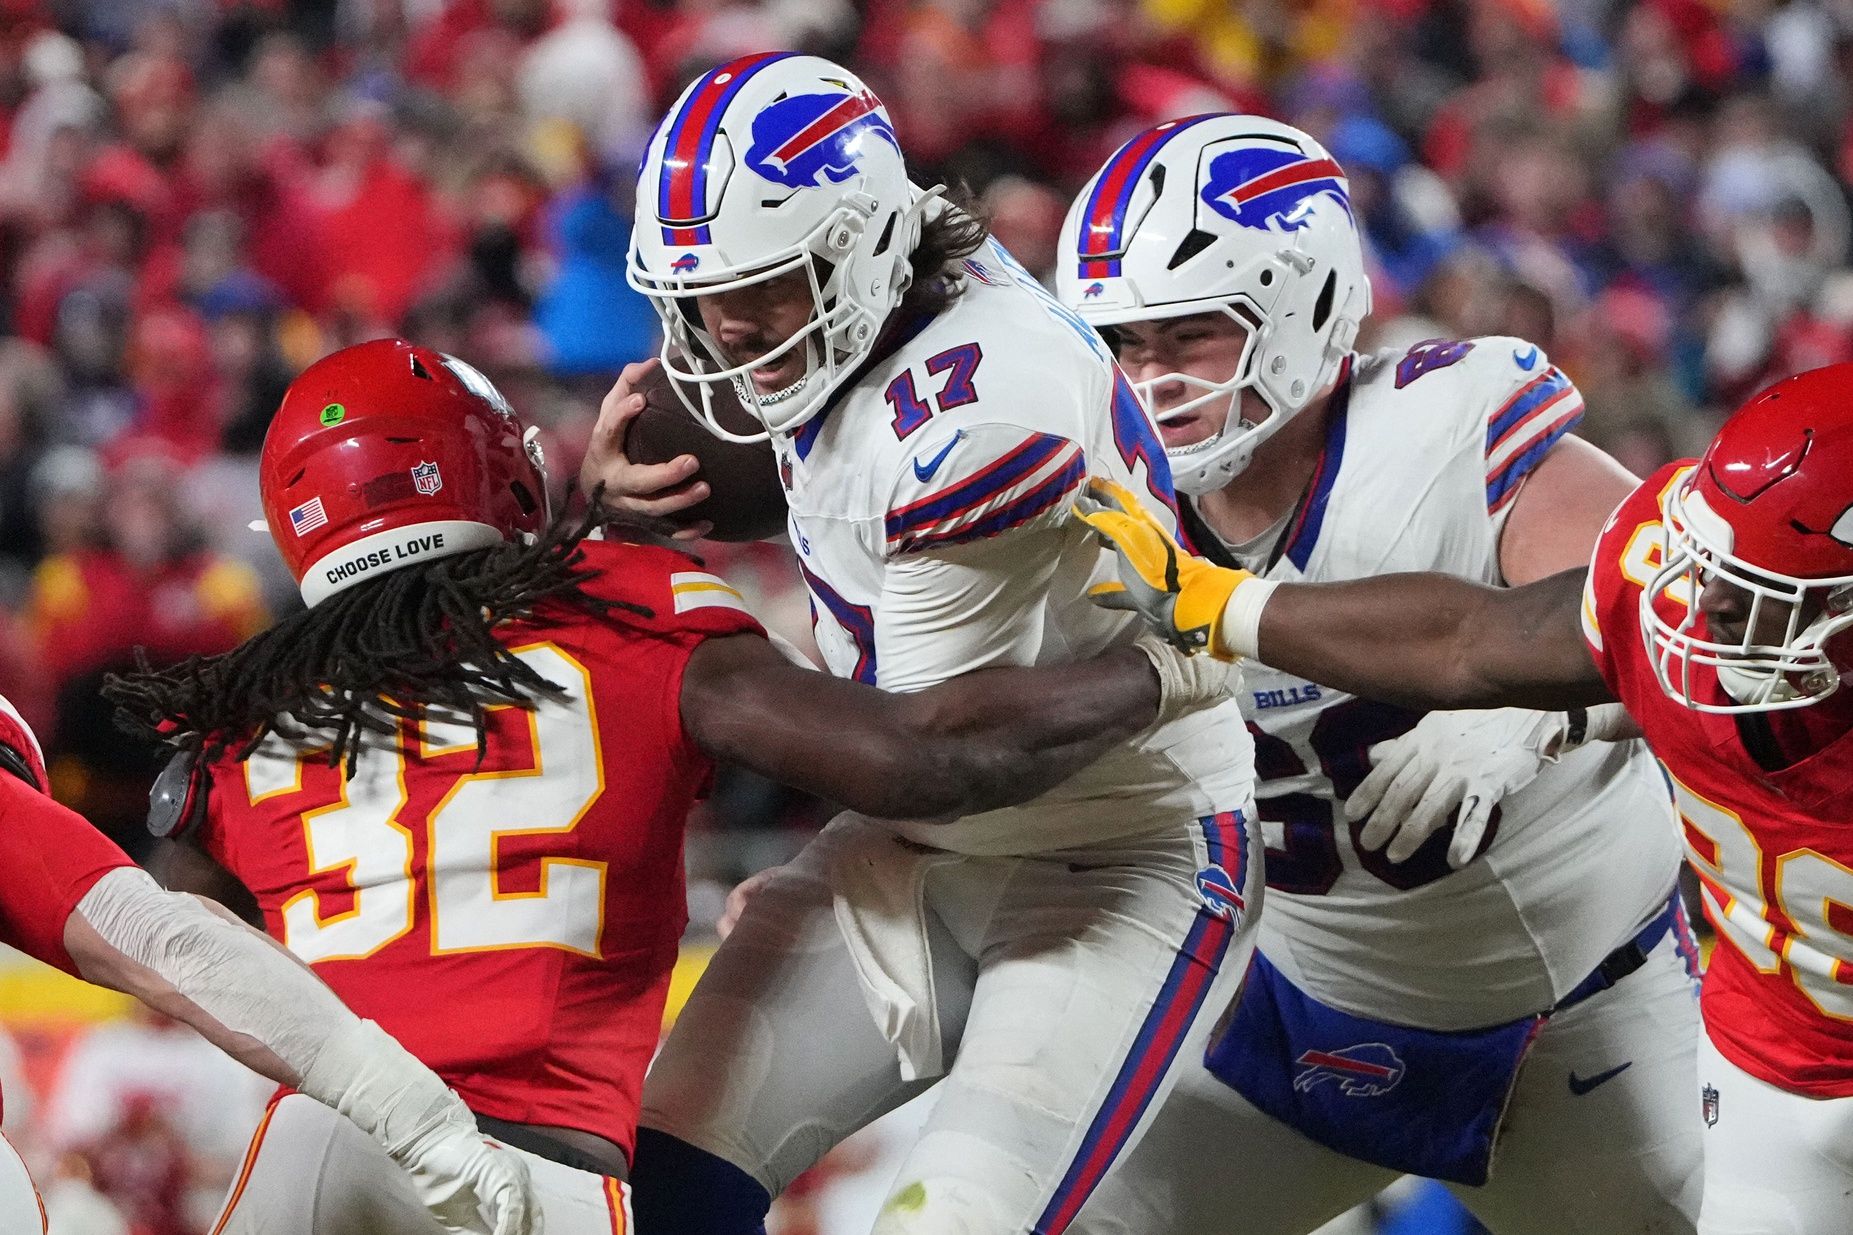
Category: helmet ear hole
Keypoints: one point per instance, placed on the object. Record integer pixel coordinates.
(1193, 244)
(524, 497)
(419, 370)
(1322, 307)
(887, 235)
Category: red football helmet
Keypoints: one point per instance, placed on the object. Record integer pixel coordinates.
(1768, 509)
(19, 740)
(386, 454)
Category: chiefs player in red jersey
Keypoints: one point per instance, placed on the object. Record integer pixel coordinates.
(1719, 610)
(71, 898)
(456, 784)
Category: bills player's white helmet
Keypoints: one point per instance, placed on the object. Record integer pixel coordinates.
(770, 164)
(1233, 214)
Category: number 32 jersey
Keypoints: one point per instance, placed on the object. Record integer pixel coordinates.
(512, 922)
(1773, 850)
(1423, 457)
(930, 508)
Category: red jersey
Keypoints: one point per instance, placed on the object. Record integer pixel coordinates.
(50, 856)
(513, 922)
(1773, 850)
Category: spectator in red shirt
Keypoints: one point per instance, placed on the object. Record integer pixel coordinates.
(147, 583)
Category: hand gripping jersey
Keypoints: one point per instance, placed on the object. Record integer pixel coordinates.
(512, 922)
(929, 507)
(1773, 850)
(1422, 459)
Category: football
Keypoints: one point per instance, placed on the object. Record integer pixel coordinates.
(747, 501)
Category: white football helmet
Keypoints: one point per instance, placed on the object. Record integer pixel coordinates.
(773, 163)
(1232, 214)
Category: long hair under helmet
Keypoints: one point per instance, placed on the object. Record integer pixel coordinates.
(1224, 214)
(770, 164)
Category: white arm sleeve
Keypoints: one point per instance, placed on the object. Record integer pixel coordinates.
(239, 979)
(966, 607)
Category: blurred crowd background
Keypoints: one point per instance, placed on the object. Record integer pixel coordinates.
(200, 197)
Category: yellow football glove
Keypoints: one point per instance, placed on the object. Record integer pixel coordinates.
(1180, 597)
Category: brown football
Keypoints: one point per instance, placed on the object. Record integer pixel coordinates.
(746, 502)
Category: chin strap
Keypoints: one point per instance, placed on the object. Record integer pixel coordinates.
(14, 762)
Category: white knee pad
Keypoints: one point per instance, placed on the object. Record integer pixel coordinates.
(958, 1184)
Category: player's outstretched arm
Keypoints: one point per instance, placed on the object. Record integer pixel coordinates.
(990, 739)
(194, 961)
(1432, 641)
(1421, 640)
(1436, 641)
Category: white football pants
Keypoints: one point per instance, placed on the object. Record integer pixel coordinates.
(1621, 1156)
(309, 1171)
(1053, 999)
(1776, 1163)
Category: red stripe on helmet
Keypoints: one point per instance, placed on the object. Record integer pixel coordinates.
(1281, 177)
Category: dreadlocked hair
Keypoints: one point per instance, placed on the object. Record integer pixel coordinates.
(415, 639)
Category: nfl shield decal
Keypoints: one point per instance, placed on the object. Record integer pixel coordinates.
(426, 479)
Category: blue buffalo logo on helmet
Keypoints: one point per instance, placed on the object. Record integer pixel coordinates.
(1361, 1071)
(685, 263)
(1257, 187)
(809, 139)
(1220, 892)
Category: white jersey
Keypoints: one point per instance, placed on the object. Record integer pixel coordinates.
(1423, 456)
(929, 505)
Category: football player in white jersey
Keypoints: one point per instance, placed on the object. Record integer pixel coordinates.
(1518, 981)
(1050, 967)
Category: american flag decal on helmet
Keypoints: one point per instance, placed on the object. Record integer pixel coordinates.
(308, 516)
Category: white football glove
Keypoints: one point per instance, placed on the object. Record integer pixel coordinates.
(469, 1182)
(1453, 767)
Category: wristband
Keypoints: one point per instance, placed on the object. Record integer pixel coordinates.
(1607, 722)
(1239, 632)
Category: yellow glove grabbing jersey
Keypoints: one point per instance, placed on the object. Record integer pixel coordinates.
(1181, 597)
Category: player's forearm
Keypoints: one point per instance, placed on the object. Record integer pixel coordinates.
(979, 742)
(194, 961)
(1435, 641)
(1004, 736)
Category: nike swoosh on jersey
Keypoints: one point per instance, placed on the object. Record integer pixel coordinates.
(1580, 1086)
(1526, 360)
(932, 465)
